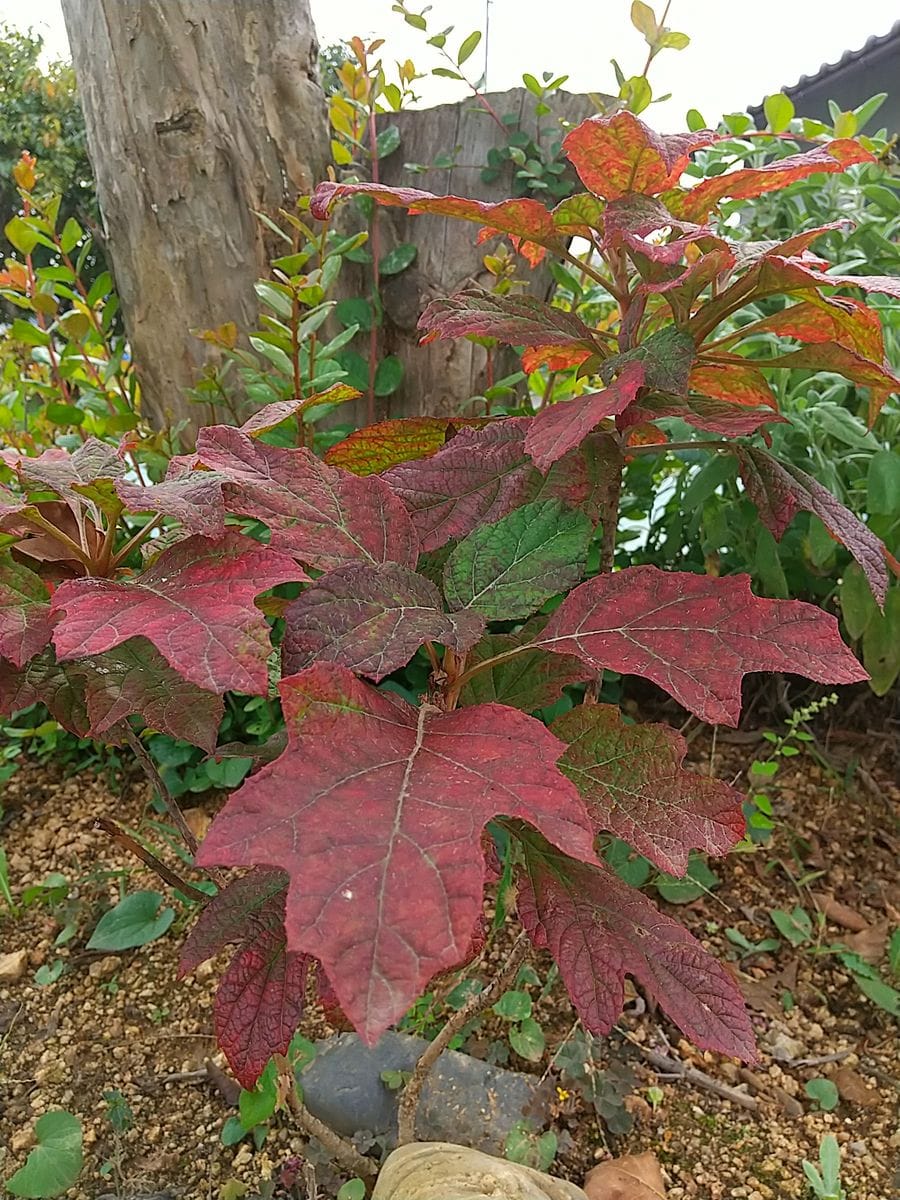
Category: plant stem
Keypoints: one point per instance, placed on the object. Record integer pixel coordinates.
(166, 874)
(339, 1148)
(149, 768)
(665, 447)
(63, 538)
(137, 539)
(409, 1101)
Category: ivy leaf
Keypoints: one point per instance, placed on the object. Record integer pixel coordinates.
(781, 490)
(598, 929)
(619, 154)
(515, 319)
(376, 448)
(26, 621)
(561, 427)
(193, 498)
(55, 1163)
(260, 1000)
(528, 679)
(320, 514)
(507, 570)
(696, 637)
(475, 479)
(634, 785)
(135, 678)
(386, 911)
(194, 603)
(372, 620)
(744, 184)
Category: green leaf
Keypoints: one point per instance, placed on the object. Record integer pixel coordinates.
(532, 84)
(845, 125)
(353, 1189)
(55, 1163)
(884, 483)
(446, 73)
(894, 952)
(637, 93)
(824, 1092)
(528, 1040)
(398, 259)
(881, 645)
(671, 40)
(880, 993)
(779, 111)
(513, 1006)
(258, 1104)
(71, 235)
(866, 111)
(468, 48)
(134, 921)
(388, 375)
(64, 414)
(21, 235)
(355, 311)
(858, 606)
(796, 925)
(29, 335)
(387, 141)
(232, 1132)
(698, 880)
(507, 570)
(694, 120)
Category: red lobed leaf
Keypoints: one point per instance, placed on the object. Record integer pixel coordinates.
(781, 490)
(831, 356)
(598, 929)
(696, 203)
(376, 448)
(226, 920)
(561, 427)
(320, 514)
(475, 479)
(513, 319)
(388, 899)
(61, 471)
(194, 499)
(42, 680)
(695, 636)
(633, 782)
(839, 319)
(781, 273)
(702, 412)
(26, 621)
(194, 603)
(135, 678)
(372, 620)
(619, 154)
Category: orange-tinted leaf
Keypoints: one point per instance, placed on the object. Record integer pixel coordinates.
(556, 358)
(386, 911)
(695, 636)
(839, 319)
(701, 412)
(620, 154)
(738, 383)
(837, 155)
(376, 448)
(780, 490)
(273, 414)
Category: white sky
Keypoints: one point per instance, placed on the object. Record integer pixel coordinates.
(740, 49)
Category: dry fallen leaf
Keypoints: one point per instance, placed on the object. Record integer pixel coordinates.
(851, 1086)
(633, 1177)
(839, 913)
(869, 943)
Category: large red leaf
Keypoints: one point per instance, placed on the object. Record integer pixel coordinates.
(194, 499)
(376, 448)
(63, 472)
(641, 222)
(475, 479)
(320, 514)
(702, 412)
(260, 1000)
(825, 319)
(43, 680)
(634, 785)
(779, 273)
(739, 382)
(26, 622)
(781, 490)
(525, 219)
(194, 603)
(831, 356)
(530, 679)
(372, 620)
(598, 929)
(561, 427)
(620, 154)
(515, 319)
(696, 636)
(376, 811)
(135, 678)
(696, 203)
(587, 478)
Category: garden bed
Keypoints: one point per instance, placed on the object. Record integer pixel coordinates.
(123, 1023)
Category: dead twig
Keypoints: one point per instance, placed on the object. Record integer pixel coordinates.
(477, 1003)
(667, 1065)
(339, 1148)
(127, 842)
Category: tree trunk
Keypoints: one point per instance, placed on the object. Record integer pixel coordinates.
(440, 378)
(199, 113)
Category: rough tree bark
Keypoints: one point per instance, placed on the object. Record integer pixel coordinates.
(440, 378)
(198, 112)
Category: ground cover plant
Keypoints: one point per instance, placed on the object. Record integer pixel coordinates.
(485, 547)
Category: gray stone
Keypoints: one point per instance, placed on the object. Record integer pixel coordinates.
(437, 1171)
(464, 1100)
